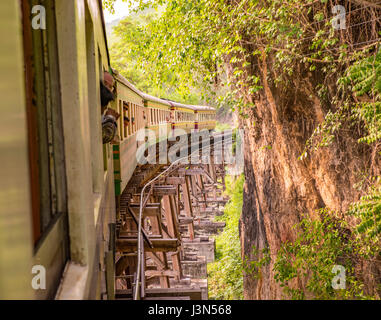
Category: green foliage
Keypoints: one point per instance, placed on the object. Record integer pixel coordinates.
(131, 56)
(216, 50)
(220, 127)
(368, 210)
(319, 245)
(225, 274)
(253, 267)
(363, 78)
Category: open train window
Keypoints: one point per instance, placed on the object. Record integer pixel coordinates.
(133, 120)
(126, 119)
(46, 144)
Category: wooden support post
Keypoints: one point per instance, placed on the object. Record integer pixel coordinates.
(176, 265)
(168, 216)
(212, 172)
(164, 279)
(188, 205)
(201, 183)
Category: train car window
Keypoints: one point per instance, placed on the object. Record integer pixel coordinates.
(124, 119)
(134, 118)
(121, 119)
(139, 117)
(45, 118)
(137, 120)
(132, 114)
(141, 122)
(127, 124)
(46, 142)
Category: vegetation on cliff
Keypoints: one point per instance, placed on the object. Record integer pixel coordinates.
(313, 88)
(225, 274)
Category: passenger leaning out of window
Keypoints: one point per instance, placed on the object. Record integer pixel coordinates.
(109, 115)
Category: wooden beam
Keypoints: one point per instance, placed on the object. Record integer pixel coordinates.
(190, 172)
(185, 220)
(159, 245)
(164, 280)
(151, 209)
(175, 180)
(188, 206)
(160, 264)
(194, 294)
(168, 216)
(164, 190)
(161, 273)
(176, 265)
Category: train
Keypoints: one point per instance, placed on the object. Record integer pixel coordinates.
(60, 184)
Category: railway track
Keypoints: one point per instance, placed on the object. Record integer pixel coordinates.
(164, 223)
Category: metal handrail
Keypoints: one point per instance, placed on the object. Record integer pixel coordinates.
(139, 249)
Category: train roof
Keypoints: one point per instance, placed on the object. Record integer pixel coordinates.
(166, 102)
(128, 84)
(148, 97)
(181, 105)
(204, 108)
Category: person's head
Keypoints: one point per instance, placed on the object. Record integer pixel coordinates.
(108, 81)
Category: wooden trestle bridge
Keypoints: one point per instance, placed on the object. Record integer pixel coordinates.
(174, 206)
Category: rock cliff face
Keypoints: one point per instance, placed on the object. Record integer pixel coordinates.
(279, 187)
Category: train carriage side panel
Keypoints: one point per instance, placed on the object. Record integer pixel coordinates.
(15, 222)
(155, 107)
(130, 105)
(83, 57)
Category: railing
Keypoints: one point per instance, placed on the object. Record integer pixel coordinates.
(140, 272)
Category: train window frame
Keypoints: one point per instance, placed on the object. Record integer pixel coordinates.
(128, 131)
(135, 118)
(132, 117)
(46, 144)
(138, 115)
